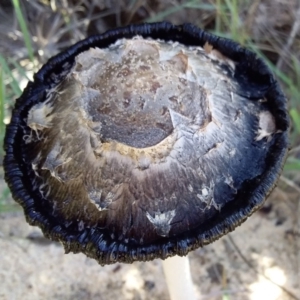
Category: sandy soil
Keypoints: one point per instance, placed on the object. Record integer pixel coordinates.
(258, 261)
(32, 267)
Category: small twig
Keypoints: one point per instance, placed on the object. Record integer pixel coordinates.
(290, 183)
(290, 41)
(248, 263)
(294, 150)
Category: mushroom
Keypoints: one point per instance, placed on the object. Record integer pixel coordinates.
(145, 142)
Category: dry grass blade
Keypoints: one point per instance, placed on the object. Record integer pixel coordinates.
(290, 41)
(290, 183)
(12, 81)
(24, 29)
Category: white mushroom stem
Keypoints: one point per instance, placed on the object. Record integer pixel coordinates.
(178, 276)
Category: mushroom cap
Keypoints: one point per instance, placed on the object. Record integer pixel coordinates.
(145, 142)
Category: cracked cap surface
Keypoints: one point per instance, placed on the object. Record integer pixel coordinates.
(145, 142)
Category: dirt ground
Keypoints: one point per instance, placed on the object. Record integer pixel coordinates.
(259, 260)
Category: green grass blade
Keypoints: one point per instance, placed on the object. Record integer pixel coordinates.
(296, 68)
(202, 6)
(196, 4)
(21, 70)
(223, 13)
(2, 107)
(232, 23)
(225, 297)
(2, 112)
(296, 119)
(24, 29)
(218, 16)
(292, 164)
(282, 76)
(13, 82)
(6, 208)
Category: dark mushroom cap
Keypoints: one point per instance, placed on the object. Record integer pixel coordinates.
(146, 141)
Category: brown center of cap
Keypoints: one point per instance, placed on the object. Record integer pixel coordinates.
(144, 134)
(132, 90)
